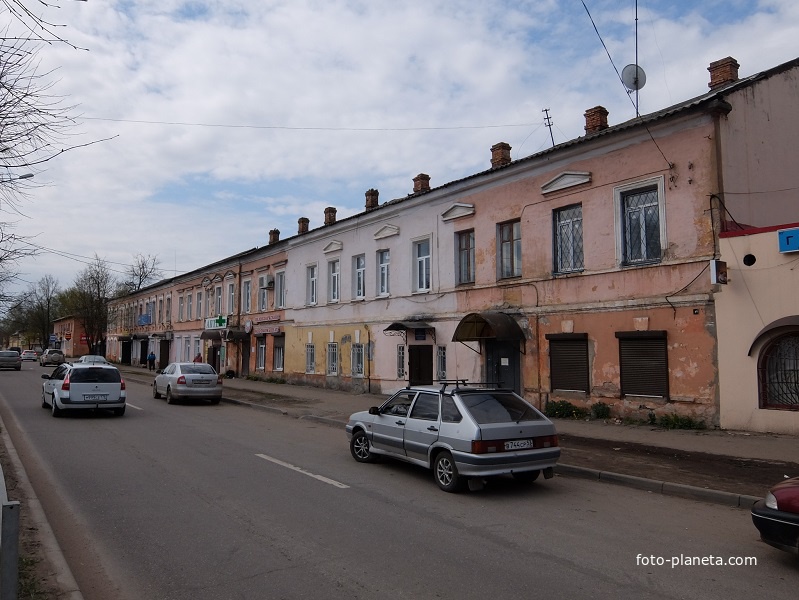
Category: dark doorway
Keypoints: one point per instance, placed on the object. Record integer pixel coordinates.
(213, 357)
(245, 358)
(420, 365)
(163, 354)
(503, 364)
(126, 352)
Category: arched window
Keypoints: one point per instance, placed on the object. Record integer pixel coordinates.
(778, 373)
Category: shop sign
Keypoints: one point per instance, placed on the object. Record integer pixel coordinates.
(262, 329)
(219, 322)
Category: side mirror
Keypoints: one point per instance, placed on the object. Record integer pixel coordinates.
(45, 376)
(158, 372)
(373, 410)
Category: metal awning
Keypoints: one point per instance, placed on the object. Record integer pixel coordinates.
(211, 334)
(487, 326)
(236, 335)
(402, 327)
(783, 325)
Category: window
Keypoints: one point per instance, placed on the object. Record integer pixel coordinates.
(169, 309)
(425, 407)
(359, 276)
(310, 358)
(280, 290)
(332, 358)
(569, 239)
(197, 347)
(333, 288)
(465, 256)
(310, 286)
(400, 362)
(641, 218)
(510, 249)
(421, 265)
(383, 260)
(262, 293)
(260, 352)
(188, 307)
(357, 360)
(279, 353)
(180, 308)
(161, 311)
(778, 373)
(441, 362)
(643, 363)
(568, 361)
(246, 296)
(218, 301)
(231, 295)
(187, 350)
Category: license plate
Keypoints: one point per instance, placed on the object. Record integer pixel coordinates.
(95, 397)
(518, 444)
(201, 382)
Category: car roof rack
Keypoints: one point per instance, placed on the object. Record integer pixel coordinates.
(458, 383)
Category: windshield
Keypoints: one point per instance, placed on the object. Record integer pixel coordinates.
(498, 407)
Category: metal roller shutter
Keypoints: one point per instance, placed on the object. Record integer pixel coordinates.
(644, 364)
(568, 362)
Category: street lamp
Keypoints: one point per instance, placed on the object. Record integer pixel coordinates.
(25, 176)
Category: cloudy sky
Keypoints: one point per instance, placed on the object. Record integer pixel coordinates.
(225, 119)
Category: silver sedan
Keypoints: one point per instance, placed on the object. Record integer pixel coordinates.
(187, 380)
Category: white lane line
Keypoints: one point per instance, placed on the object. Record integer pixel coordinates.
(133, 406)
(303, 471)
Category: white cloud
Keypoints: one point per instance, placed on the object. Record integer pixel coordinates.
(295, 81)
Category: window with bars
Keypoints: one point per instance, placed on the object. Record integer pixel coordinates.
(441, 362)
(778, 373)
(332, 358)
(643, 362)
(465, 258)
(641, 225)
(310, 358)
(357, 360)
(569, 239)
(510, 249)
(401, 362)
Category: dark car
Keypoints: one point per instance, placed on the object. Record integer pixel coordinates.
(10, 359)
(777, 516)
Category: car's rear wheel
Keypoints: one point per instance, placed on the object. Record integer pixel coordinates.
(156, 395)
(169, 398)
(360, 448)
(526, 476)
(44, 401)
(57, 412)
(446, 473)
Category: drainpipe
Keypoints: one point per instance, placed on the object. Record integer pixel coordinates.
(368, 362)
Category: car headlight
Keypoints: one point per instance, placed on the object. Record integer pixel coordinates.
(771, 501)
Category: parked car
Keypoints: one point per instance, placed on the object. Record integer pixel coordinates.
(82, 387)
(188, 380)
(92, 359)
(16, 348)
(777, 516)
(51, 356)
(29, 355)
(459, 433)
(10, 359)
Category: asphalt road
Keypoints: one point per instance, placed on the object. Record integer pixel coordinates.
(201, 502)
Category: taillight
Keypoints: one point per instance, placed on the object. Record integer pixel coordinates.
(122, 383)
(182, 380)
(218, 380)
(65, 385)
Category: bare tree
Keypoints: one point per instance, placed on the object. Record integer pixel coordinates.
(88, 300)
(143, 271)
(43, 302)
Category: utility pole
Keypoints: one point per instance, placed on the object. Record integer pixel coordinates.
(548, 123)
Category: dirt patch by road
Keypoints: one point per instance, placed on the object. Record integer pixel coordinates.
(737, 475)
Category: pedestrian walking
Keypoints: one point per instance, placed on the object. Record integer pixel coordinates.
(151, 361)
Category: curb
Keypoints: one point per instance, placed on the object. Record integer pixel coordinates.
(666, 488)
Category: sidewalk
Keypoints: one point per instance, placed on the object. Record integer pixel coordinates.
(733, 468)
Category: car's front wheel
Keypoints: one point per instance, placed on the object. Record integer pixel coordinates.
(360, 448)
(446, 473)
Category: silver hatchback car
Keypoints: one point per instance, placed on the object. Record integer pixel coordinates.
(459, 433)
(188, 380)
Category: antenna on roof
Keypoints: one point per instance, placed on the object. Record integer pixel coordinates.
(633, 76)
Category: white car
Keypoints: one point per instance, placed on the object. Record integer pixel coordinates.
(185, 380)
(84, 387)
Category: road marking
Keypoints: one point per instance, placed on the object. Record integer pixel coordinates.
(133, 406)
(303, 471)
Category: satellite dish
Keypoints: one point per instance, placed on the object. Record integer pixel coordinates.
(633, 77)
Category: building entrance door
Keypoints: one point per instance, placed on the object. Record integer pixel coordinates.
(420, 365)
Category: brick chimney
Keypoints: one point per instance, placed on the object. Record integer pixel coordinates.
(421, 183)
(722, 72)
(274, 236)
(302, 223)
(330, 215)
(371, 199)
(500, 155)
(596, 119)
